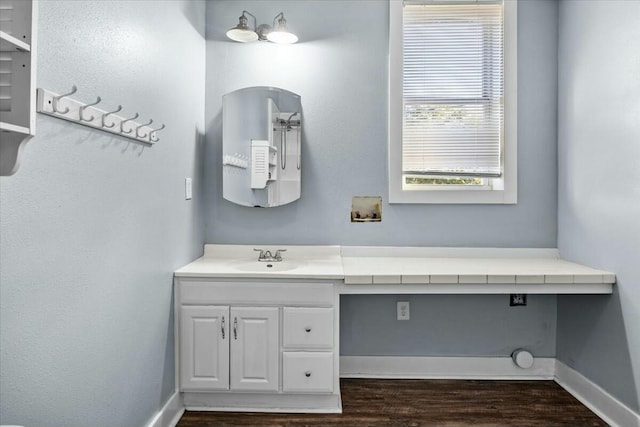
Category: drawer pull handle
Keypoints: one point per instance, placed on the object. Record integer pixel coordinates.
(222, 327)
(307, 329)
(307, 374)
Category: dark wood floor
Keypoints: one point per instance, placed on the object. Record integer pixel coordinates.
(379, 403)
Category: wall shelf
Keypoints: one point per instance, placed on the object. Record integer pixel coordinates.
(17, 80)
(8, 127)
(9, 43)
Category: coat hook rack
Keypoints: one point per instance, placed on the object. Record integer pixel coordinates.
(86, 114)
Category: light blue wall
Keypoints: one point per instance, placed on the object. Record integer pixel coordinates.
(599, 188)
(447, 325)
(340, 70)
(92, 226)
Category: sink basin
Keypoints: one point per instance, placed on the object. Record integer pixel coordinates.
(266, 267)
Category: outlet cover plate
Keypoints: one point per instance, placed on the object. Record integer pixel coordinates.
(517, 300)
(403, 310)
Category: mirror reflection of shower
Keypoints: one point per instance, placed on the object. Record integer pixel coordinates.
(261, 146)
(287, 126)
(286, 137)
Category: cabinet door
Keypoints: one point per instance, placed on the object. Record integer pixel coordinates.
(255, 348)
(204, 347)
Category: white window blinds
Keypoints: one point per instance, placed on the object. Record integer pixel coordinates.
(452, 88)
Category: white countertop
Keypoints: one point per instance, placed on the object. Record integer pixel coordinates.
(529, 270)
(364, 270)
(233, 261)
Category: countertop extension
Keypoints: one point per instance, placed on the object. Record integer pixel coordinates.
(368, 270)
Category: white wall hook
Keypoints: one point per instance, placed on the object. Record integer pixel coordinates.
(56, 100)
(125, 121)
(84, 107)
(113, 123)
(153, 135)
(138, 128)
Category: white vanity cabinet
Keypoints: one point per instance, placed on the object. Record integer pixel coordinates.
(257, 344)
(224, 348)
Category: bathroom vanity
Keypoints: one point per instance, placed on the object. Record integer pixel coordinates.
(259, 336)
(264, 336)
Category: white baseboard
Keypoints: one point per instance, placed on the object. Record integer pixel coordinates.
(170, 413)
(466, 368)
(263, 402)
(594, 397)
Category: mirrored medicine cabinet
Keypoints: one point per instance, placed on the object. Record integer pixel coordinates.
(261, 146)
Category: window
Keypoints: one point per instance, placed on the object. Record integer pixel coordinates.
(452, 103)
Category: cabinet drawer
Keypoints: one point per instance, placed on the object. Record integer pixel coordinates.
(307, 327)
(307, 372)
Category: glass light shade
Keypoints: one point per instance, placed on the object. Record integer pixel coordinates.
(282, 37)
(280, 34)
(242, 35)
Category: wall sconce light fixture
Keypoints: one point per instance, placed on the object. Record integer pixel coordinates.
(278, 33)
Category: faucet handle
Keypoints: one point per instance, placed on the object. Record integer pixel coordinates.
(278, 254)
(261, 253)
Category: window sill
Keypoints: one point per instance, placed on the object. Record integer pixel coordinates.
(479, 197)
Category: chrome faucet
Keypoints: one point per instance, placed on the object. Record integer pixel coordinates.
(265, 256)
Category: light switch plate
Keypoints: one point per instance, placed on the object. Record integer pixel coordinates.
(188, 189)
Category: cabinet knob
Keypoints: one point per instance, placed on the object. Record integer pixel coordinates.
(307, 329)
(307, 374)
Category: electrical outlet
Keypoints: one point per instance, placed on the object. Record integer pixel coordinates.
(403, 310)
(517, 299)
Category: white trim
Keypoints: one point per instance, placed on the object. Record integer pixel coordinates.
(394, 142)
(275, 410)
(507, 195)
(263, 402)
(511, 101)
(170, 413)
(362, 285)
(594, 397)
(448, 252)
(457, 368)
